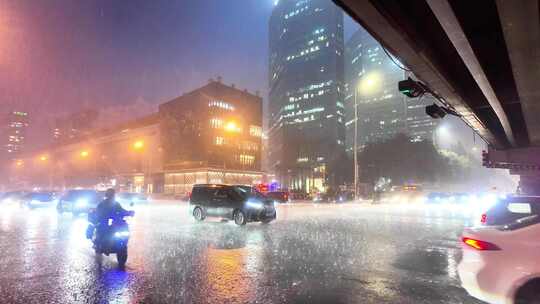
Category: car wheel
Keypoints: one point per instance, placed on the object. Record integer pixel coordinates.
(239, 218)
(528, 294)
(198, 214)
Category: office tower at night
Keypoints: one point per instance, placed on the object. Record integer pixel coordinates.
(383, 112)
(75, 125)
(306, 121)
(13, 134)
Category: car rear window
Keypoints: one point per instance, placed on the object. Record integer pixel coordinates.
(512, 210)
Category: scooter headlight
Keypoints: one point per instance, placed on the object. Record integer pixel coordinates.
(121, 234)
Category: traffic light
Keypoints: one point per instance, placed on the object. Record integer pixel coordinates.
(411, 88)
(435, 111)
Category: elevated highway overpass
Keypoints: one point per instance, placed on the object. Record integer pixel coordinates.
(482, 57)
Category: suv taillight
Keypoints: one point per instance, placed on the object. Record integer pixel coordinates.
(479, 245)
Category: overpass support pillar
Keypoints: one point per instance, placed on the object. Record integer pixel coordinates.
(529, 185)
(524, 162)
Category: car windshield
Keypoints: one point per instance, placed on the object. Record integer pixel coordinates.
(512, 210)
(274, 151)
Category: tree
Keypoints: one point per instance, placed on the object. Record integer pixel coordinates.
(403, 161)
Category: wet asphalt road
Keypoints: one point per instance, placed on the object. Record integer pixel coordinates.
(311, 254)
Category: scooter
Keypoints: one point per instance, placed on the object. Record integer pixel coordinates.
(114, 239)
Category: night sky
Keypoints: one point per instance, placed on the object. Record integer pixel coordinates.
(57, 56)
(60, 54)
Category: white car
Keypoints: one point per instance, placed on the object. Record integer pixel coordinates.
(501, 257)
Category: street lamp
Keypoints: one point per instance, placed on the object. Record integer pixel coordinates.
(84, 154)
(442, 134)
(43, 158)
(368, 85)
(138, 145)
(355, 148)
(231, 127)
(19, 163)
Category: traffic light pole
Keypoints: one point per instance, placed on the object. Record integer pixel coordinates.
(355, 149)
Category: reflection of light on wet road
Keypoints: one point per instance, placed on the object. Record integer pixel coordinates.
(226, 275)
(452, 265)
(389, 255)
(33, 220)
(75, 274)
(116, 284)
(7, 213)
(254, 251)
(77, 239)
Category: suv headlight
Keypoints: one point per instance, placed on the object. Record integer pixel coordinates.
(82, 202)
(120, 234)
(255, 205)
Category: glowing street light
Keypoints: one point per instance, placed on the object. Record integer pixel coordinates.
(84, 154)
(370, 84)
(442, 136)
(19, 163)
(43, 158)
(231, 127)
(138, 145)
(443, 130)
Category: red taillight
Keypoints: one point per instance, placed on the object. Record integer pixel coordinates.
(483, 219)
(480, 245)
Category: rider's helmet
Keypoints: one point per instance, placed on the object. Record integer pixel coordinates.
(109, 194)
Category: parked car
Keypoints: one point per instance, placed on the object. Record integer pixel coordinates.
(79, 201)
(131, 198)
(500, 257)
(237, 203)
(35, 200)
(279, 196)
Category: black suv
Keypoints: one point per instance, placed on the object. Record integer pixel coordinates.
(238, 203)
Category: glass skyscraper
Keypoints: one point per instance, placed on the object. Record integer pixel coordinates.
(306, 99)
(383, 111)
(13, 129)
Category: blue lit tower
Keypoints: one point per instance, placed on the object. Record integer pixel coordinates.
(306, 123)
